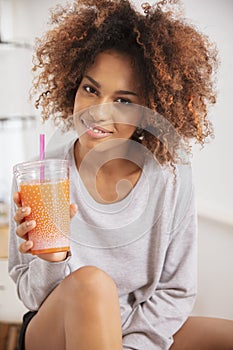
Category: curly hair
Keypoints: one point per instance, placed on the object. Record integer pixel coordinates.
(176, 62)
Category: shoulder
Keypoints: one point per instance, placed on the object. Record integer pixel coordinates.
(176, 175)
(175, 183)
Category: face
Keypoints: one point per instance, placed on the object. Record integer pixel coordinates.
(106, 103)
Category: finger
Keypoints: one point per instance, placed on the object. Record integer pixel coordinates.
(21, 213)
(24, 228)
(17, 199)
(73, 210)
(25, 247)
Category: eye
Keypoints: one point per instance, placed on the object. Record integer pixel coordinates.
(123, 101)
(89, 89)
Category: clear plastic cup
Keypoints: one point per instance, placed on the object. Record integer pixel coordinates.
(44, 187)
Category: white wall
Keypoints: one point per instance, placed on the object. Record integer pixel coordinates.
(215, 270)
(213, 166)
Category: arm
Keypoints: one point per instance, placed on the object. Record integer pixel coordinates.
(152, 324)
(35, 278)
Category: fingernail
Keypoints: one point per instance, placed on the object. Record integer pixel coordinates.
(30, 223)
(25, 209)
(28, 244)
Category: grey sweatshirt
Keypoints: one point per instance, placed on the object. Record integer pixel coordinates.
(145, 242)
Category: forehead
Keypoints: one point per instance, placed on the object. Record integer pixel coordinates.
(115, 67)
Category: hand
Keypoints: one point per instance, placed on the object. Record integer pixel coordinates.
(25, 226)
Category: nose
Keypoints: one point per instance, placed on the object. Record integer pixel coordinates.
(101, 112)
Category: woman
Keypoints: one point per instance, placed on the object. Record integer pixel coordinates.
(138, 87)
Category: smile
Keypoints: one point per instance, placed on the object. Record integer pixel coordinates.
(95, 130)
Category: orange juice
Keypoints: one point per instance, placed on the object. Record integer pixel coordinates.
(49, 203)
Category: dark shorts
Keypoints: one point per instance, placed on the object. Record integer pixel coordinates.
(26, 319)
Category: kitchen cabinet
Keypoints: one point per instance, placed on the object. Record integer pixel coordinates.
(4, 241)
(11, 308)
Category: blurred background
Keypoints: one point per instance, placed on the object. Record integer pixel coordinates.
(23, 20)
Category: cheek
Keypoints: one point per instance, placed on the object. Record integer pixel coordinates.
(77, 101)
(76, 109)
(82, 102)
(126, 130)
(132, 114)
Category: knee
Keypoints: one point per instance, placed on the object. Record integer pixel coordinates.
(90, 282)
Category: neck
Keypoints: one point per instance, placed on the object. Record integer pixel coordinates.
(109, 175)
(120, 159)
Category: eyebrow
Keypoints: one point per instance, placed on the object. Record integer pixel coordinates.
(122, 92)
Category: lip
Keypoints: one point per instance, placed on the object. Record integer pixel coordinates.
(94, 130)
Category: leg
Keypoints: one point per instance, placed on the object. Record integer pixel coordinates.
(203, 333)
(82, 313)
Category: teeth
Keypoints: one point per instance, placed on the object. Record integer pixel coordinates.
(97, 131)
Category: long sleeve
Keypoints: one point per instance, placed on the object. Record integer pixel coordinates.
(151, 255)
(153, 322)
(35, 278)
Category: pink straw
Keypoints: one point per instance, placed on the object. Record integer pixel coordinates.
(42, 155)
(41, 146)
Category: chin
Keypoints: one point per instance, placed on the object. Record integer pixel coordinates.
(114, 146)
